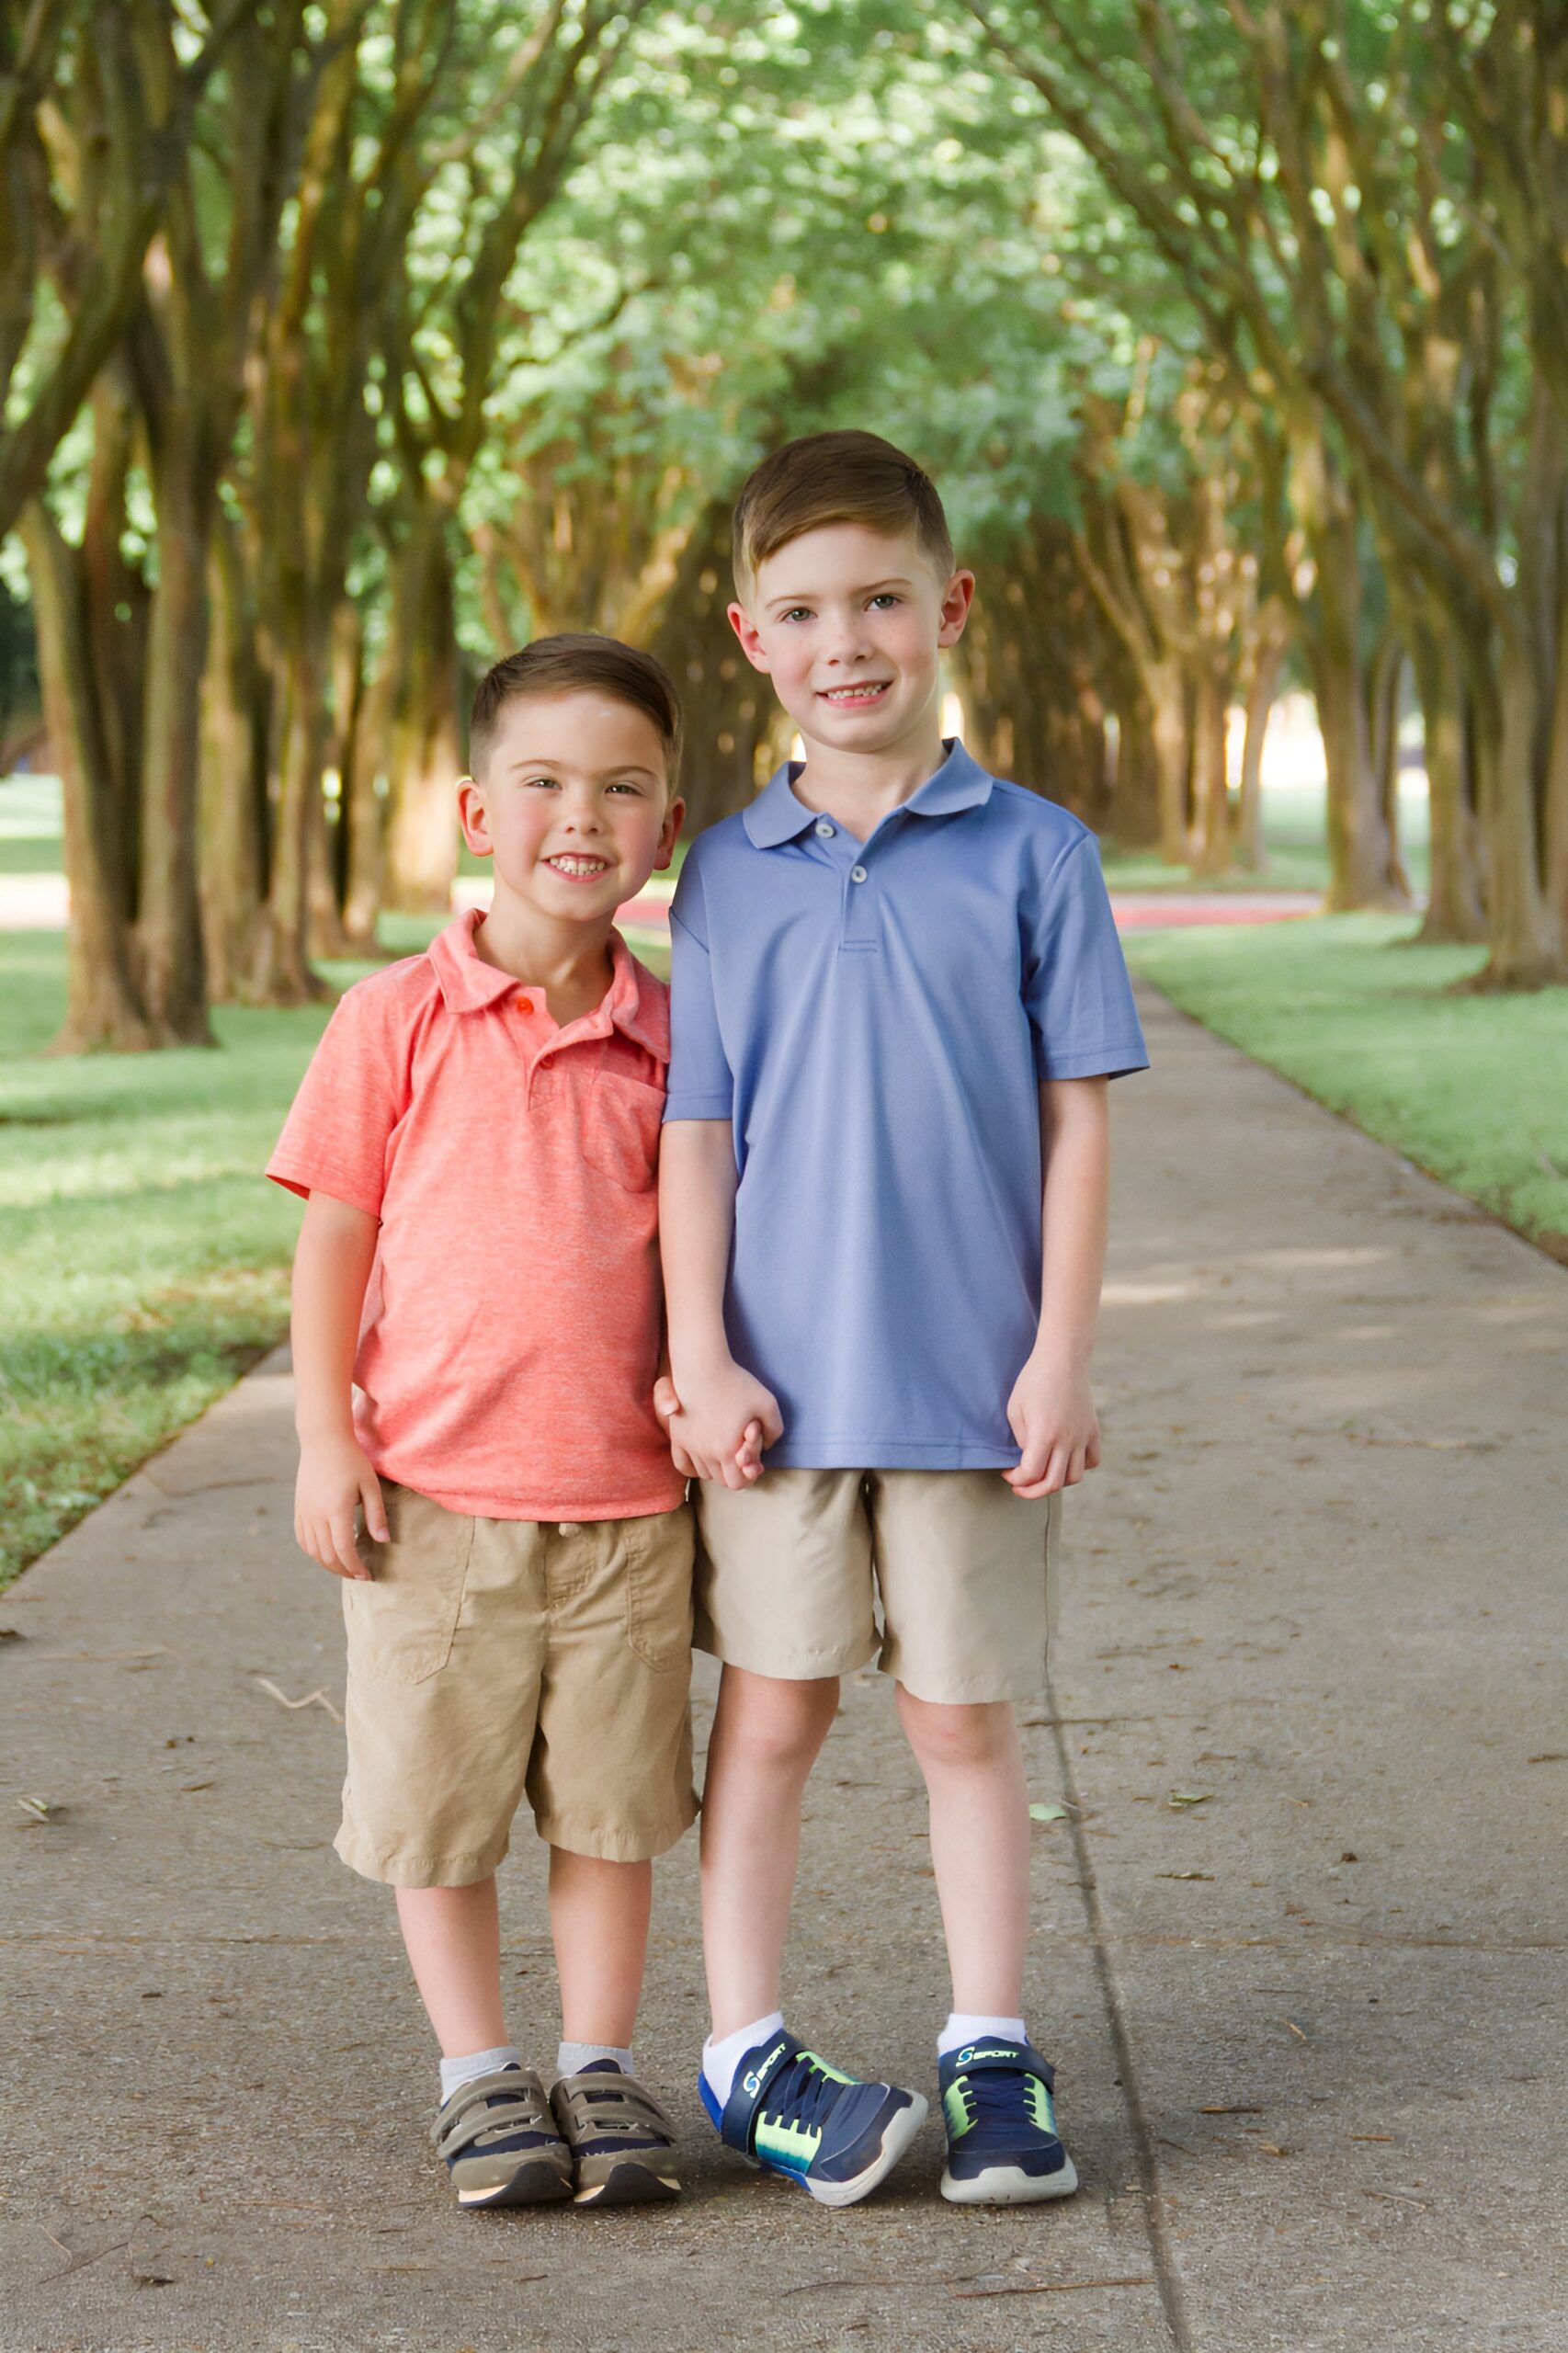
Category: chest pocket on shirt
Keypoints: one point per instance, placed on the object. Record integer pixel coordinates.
(621, 1136)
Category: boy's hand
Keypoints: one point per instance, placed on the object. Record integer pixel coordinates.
(336, 1478)
(702, 1438)
(1052, 1414)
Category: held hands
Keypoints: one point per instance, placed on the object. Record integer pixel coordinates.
(719, 1430)
(1052, 1414)
(336, 1478)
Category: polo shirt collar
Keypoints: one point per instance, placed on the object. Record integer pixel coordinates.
(632, 1003)
(775, 816)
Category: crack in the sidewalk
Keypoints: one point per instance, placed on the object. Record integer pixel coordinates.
(1172, 2300)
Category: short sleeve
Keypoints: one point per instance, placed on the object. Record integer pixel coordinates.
(701, 1084)
(334, 1139)
(1076, 992)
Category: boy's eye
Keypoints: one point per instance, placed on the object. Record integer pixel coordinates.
(797, 613)
(625, 784)
(886, 596)
(544, 784)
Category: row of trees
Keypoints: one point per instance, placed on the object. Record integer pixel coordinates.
(346, 344)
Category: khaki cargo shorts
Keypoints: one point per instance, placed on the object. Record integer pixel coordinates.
(488, 1657)
(791, 1574)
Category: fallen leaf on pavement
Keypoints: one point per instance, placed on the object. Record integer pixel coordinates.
(1229, 2111)
(311, 1698)
(1189, 1797)
(1047, 1813)
(1184, 1874)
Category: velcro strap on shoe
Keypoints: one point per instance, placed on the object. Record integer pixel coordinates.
(511, 2100)
(595, 2107)
(745, 2102)
(985, 2058)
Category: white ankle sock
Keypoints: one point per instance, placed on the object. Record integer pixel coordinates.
(975, 2025)
(455, 2073)
(573, 2057)
(721, 2057)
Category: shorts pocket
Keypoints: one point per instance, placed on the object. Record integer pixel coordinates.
(402, 1623)
(621, 1138)
(658, 1591)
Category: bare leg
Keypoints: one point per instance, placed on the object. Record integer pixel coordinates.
(453, 1939)
(973, 1767)
(598, 1918)
(767, 1734)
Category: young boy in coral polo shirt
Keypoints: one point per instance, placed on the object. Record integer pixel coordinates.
(477, 1328)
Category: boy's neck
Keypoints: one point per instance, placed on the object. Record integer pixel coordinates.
(861, 787)
(569, 964)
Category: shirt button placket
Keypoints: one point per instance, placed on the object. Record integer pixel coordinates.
(859, 921)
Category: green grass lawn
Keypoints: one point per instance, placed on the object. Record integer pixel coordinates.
(1473, 1089)
(144, 1260)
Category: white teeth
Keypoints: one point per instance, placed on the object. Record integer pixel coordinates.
(843, 694)
(579, 865)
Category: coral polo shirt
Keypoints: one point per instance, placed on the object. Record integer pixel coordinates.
(513, 1318)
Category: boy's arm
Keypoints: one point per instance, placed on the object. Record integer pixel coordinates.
(332, 1266)
(718, 1398)
(1052, 1409)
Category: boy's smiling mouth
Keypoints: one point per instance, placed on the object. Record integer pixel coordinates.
(574, 868)
(865, 690)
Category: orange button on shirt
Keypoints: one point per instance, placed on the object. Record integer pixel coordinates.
(513, 1317)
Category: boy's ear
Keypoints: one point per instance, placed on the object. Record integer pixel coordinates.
(670, 833)
(751, 643)
(958, 597)
(472, 817)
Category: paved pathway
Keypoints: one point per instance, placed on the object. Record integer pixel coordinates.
(1309, 2028)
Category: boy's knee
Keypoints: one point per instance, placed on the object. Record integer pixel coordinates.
(981, 1732)
(780, 1724)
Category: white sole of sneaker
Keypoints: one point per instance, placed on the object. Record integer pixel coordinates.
(903, 2129)
(1010, 2186)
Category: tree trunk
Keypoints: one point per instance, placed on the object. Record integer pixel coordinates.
(1556, 795)
(103, 1007)
(422, 748)
(1384, 679)
(234, 778)
(174, 985)
(1135, 784)
(1359, 852)
(1454, 910)
(1211, 783)
(1526, 939)
(281, 972)
(1171, 736)
(1263, 688)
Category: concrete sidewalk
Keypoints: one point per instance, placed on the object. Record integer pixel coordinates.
(1301, 1945)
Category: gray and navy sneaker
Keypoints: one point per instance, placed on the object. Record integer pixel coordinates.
(1002, 2145)
(498, 2142)
(792, 2113)
(622, 2143)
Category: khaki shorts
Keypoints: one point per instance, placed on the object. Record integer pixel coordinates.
(488, 1657)
(789, 1572)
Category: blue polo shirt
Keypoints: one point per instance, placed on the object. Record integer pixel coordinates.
(875, 1018)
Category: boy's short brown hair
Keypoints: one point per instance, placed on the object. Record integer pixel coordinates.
(570, 662)
(846, 477)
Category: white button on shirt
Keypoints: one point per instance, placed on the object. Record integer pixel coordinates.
(825, 831)
(857, 874)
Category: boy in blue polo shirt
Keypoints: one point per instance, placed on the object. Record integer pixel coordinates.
(898, 996)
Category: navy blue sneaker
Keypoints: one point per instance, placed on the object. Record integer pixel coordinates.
(1002, 2145)
(792, 2113)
